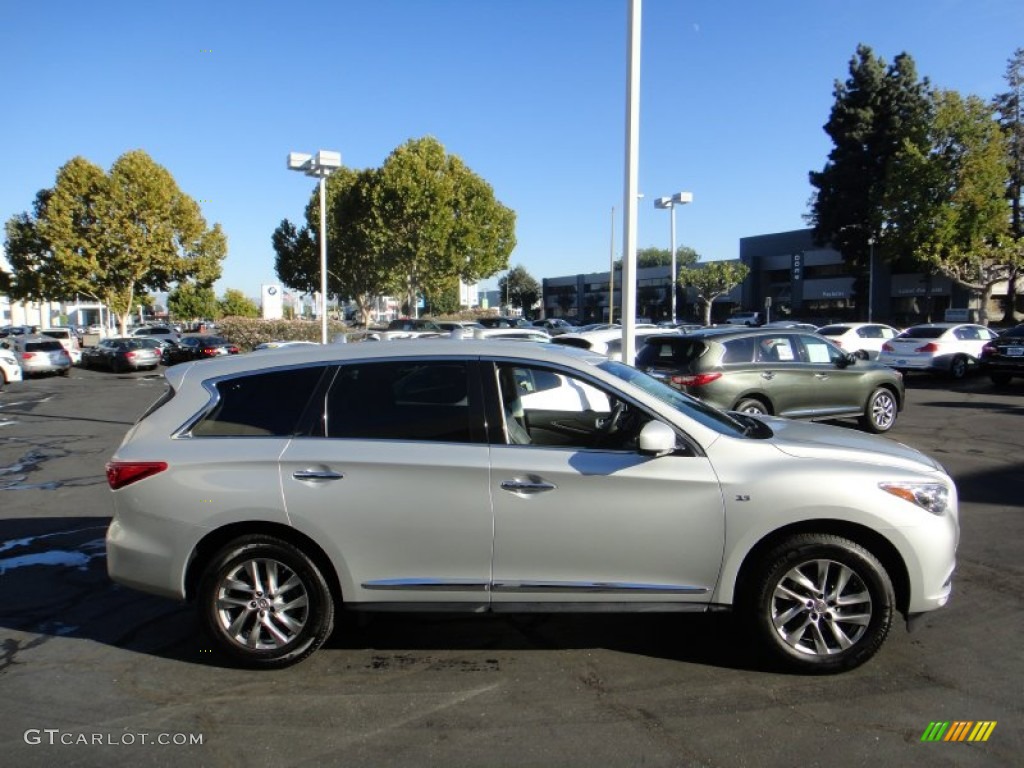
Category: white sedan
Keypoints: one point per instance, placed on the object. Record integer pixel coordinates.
(862, 339)
(950, 348)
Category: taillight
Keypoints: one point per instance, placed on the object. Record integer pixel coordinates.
(27, 355)
(887, 347)
(122, 473)
(209, 351)
(931, 346)
(129, 355)
(988, 349)
(695, 380)
(233, 350)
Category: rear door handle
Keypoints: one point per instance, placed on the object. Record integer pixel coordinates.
(316, 474)
(527, 486)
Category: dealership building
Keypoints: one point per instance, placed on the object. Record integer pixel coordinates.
(790, 277)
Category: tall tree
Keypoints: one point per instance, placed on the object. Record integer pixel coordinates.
(711, 280)
(112, 236)
(947, 205)
(236, 304)
(192, 302)
(436, 220)
(356, 270)
(877, 112)
(1010, 107)
(519, 288)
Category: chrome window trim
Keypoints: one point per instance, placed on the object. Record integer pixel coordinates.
(429, 584)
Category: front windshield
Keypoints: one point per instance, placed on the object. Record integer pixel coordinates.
(708, 415)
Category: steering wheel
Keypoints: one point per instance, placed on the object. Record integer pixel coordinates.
(610, 425)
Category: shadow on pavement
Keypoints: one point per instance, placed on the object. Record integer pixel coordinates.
(53, 583)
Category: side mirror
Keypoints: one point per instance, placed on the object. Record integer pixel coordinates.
(657, 439)
(846, 360)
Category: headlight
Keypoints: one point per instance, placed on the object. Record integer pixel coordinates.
(932, 497)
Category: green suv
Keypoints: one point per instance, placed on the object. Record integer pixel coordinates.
(779, 372)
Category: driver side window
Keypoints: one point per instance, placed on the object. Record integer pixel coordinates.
(545, 407)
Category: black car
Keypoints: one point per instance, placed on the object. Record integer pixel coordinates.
(122, 354)
(1003, 357)
(199, 348)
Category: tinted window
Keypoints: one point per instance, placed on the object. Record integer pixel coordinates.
(43, 346)
(401, 401)
(669, 351)
(922, 332)
(833, 330)
(738, 350)
(266, 404)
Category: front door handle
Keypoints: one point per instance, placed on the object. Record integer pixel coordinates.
(527, 486)
(316, 474)
(768, 375)
(821, 376)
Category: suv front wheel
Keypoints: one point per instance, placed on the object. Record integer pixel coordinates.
(820, 603)
(265, 603)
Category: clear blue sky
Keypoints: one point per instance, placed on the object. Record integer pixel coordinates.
(530, 93)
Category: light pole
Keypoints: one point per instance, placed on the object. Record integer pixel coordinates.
(871, 277)
(679, 198)
(321, 165)
(611, 274)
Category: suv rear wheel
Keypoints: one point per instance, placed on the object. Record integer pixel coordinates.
(820, 603)
(265, 603)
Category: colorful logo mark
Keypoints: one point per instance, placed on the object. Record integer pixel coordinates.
(959, 730)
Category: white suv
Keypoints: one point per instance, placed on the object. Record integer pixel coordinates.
(68, 339)
(744, 318)
(477, 475)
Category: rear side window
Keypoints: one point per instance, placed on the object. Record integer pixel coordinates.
(739, 350)
(922, 332)
(665, 351)
(401, 401)
(833, 330)
(267, 404)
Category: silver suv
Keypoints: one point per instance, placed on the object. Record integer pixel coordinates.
(276, 490)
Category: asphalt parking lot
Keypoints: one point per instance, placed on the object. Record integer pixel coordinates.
(93, 674)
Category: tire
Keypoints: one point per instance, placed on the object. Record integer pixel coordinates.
(958, 367)
(880, 414)
(752, 406)
(820, 603)
(1000, 378)
(250, 621)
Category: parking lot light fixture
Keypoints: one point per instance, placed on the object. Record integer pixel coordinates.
(321, 165)
(680, 198)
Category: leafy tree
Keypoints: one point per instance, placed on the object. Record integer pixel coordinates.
(355, 270)
(236, 304)
(445, 301)
(192, 302)
(434, 219)
(711, 280)
(520, 287)
(878, 112)
(112, 236)
(947, 204)
(662, 257)
(1010, 107)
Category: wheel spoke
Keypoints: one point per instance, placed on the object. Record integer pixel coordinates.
(227, 601)
(782, 592)
(267, 623)
(253, 568)
(862, 619)
(299, 602)
(823, 568)
(840, 636)
(271, 568)
(819, 640)
(797, 576)
(854, 599)
(794, 637)
(784, 618)
(841, 582)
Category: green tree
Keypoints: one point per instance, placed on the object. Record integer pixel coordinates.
(1010, 107)
(236, 304)
(435, 220)
(877, 113)
(711, 280)
(356, 270)
(112, 236)
(192, 302)
(947, 205)
(520, 288)
(662, 257)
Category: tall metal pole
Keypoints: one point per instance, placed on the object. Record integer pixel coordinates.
(323, 258)
(672, 277)
(629, 204)
(611, 273)
(871, 278)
